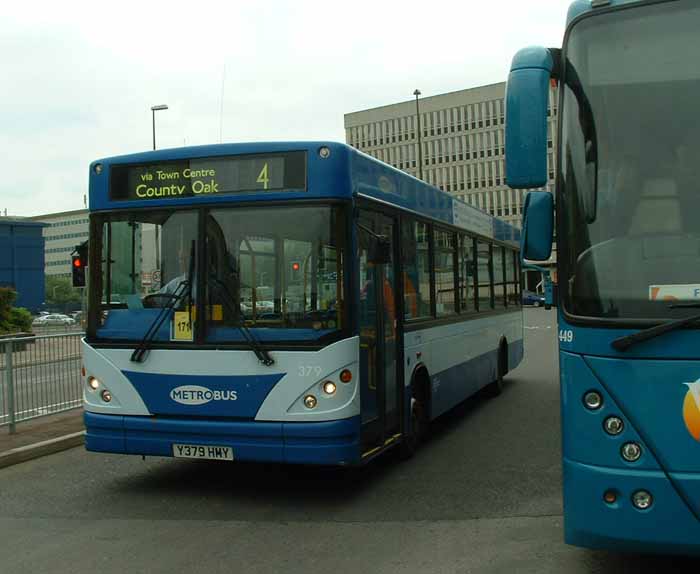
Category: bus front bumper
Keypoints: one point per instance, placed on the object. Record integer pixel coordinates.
(668, 526)
(322, 443)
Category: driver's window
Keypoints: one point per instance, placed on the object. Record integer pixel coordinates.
(147, 261)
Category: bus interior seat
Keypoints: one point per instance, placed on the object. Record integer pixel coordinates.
(625, 268)
(658, 210)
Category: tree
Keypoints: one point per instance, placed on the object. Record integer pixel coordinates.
(60, 291)
(12, 319)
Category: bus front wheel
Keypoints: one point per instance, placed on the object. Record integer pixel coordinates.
(418, 425)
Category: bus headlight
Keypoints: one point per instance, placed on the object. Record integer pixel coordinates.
(592, 400)
(631, 451)
(324, 152)
(310, 401)
(329, 387)
(106, 396)
(642, 499)
(93, 383)
(613, 425)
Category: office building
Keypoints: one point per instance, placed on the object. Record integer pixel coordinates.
(63, 231)
(22, 260)
(462, 136)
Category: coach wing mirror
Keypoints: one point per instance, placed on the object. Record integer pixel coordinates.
(538, 226)
(379, 251)
(527, 99)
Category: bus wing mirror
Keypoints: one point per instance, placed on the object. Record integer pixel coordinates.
(527, 98)
(538, 226)
(379, 251)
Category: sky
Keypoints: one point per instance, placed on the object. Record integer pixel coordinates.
(80, 78)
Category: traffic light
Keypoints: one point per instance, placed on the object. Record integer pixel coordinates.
(296, 271)
(79, 261)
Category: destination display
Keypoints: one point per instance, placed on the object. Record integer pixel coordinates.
(210, 176)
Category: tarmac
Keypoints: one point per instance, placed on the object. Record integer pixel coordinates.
(41, 436)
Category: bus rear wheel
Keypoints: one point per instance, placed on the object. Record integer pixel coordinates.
(496, 387)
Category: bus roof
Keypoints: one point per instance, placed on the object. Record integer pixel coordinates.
(579, 7)
(344, 174)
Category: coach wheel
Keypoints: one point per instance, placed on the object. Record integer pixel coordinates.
(536, 304)
(413, 435)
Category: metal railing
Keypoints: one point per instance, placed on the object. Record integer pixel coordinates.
(39, 376)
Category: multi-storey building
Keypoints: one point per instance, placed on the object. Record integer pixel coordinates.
(64, 230)
(462, 140)
(22, 260)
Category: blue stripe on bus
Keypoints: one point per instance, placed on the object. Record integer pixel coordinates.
(238, 395)
(332, 442)
(454, 385)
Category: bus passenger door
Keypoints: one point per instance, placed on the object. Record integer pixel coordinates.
(380, 391)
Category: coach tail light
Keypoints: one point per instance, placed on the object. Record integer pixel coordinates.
(610, 496)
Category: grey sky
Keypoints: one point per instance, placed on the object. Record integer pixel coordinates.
(80, 78)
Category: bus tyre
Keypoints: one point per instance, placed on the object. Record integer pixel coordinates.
(496, 387)
(413, 436)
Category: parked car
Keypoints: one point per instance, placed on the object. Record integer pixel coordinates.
(531, 298)
(55, 319)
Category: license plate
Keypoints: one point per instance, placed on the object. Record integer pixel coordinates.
(202, 451)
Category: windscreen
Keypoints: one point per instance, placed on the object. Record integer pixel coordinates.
(631, 241)
(275, 270)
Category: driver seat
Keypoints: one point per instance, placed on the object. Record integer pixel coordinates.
(658, 211)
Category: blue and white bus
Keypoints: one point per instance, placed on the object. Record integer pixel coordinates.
(628, 262)
(289, 302)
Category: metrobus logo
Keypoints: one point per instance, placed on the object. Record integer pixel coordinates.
(196, 395)
(691, 409)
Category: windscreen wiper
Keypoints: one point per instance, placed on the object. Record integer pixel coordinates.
(624, 343)
(262, 354)
(183, 289)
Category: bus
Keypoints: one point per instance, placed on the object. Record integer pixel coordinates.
(628, 262)
(308, 304)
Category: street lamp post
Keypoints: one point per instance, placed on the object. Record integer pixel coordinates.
(155, 109)
(420, 145)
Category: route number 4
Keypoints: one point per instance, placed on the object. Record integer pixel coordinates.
(264, 177)
(566, 336)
